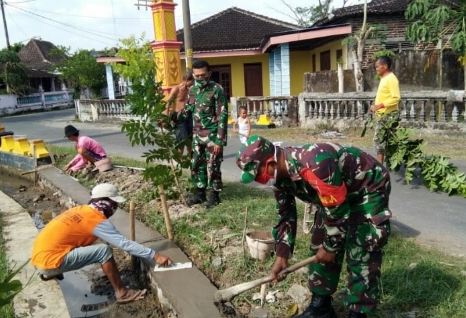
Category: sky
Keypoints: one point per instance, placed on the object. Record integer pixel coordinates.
(86, 24)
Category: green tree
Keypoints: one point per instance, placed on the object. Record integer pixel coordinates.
(80, 70)
(13, 74)
(307, 16)
(154, 128)
(16, 47)
(438, 22)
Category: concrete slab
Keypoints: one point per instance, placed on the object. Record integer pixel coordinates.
(187, 293)
(38, 299)
(10, 159)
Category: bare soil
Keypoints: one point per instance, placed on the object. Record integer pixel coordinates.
(130, 183)
(148, 307)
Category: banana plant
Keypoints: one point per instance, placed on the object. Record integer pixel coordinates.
(10, 287)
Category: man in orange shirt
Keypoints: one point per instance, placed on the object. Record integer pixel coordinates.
(386, 101)
(66, 243)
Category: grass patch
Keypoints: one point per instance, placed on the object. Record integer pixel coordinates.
(65, 154)
(5, 311)
(423, 280)
(414, 278)
(439, 143)
(434, 287)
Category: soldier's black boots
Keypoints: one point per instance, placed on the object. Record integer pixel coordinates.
(320, 307)
(198, 198)
(353, 314)
(214, 199)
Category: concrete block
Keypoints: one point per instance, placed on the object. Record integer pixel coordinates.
(13, 160)
(41, 151)
(230, 120)
(264, 120)
(22, 146)
(8, 144)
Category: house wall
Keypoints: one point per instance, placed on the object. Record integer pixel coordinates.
(332, 47)
(408, 66)
(237, 71)
(396, 29)
(300, 63)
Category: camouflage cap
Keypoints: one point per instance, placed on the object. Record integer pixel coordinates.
(250, 156)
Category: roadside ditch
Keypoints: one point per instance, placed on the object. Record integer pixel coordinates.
(87, 292)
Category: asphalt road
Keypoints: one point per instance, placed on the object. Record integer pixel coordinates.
(433, 218)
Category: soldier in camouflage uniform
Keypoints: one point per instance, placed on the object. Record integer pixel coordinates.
(351, 190)
(209, 107)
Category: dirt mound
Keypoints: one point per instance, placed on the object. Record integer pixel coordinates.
(131, 184)
(128, 181)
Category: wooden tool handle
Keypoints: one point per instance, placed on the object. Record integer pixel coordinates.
(228, 294)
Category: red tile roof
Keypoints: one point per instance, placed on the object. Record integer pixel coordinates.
(37, 55)
(373, 7)
(233, 29)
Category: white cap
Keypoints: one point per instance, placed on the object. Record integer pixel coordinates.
(107, 190)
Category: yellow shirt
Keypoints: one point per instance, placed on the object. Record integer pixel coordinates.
(388, 94)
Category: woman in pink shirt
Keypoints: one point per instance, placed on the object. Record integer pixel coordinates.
(89, 150)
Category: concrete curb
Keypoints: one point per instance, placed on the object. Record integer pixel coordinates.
(38, 299)
(184, 293)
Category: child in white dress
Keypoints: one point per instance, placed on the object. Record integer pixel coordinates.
(244, 125)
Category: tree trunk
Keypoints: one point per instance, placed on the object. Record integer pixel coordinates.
(341, 79)
(357, 51)
(7, 79)
(464, 75)
(358, 76)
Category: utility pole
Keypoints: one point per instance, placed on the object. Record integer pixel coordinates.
(188, 40)
(5, 27)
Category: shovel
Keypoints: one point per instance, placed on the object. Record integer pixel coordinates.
(262, 311)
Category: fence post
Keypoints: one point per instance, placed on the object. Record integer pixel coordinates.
(234, 107)
(77, 105)
(42, 96)
(95, 111)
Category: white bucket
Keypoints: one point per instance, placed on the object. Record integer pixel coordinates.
(260, 243)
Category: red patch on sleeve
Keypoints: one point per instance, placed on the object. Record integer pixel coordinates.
(329, 195)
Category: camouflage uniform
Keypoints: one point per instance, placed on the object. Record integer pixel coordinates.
(351, 190)
(379, 145)
(209, 108)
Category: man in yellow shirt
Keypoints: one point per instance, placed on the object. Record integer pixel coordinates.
(386, 101)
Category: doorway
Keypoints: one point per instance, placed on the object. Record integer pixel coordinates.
(253, 84)
(253, 79)
(222, 74)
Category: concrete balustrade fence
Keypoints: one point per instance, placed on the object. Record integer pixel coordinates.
(103, 110)
(416, 109)
(279, 110)
(10, 104)
(430, 109)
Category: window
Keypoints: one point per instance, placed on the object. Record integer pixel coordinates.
(339, 55)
